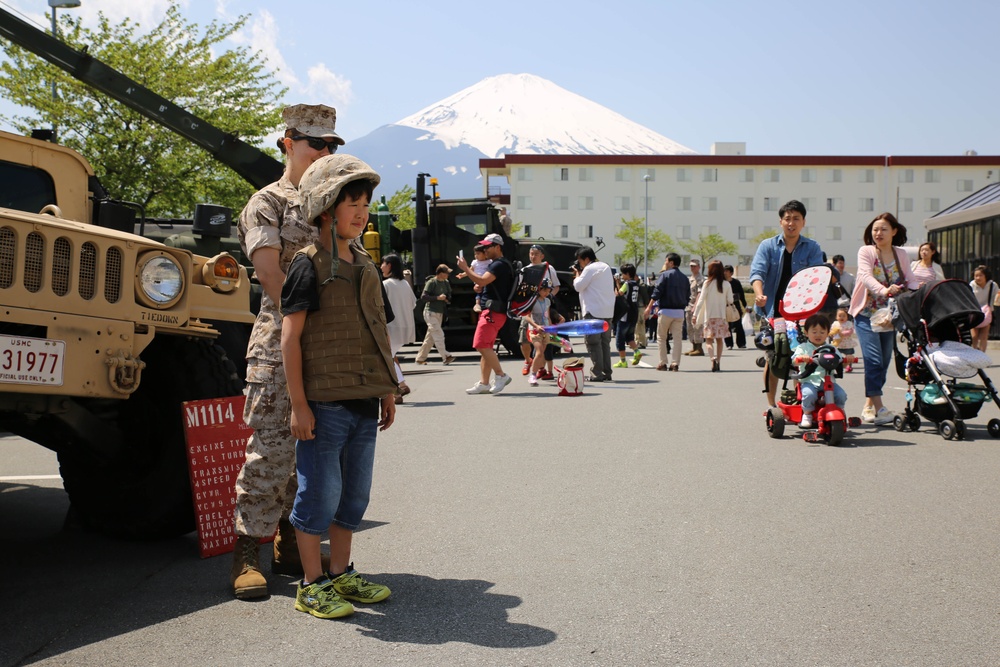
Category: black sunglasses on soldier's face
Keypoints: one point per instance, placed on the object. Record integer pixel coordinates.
(318, 144)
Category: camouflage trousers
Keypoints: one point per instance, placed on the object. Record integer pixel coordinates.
(695, 333)
(266, 486)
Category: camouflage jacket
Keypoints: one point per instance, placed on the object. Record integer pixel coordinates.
(272, 219)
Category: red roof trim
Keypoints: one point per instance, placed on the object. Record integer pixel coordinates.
(748, 160)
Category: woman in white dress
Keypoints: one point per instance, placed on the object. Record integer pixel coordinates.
(402, 329)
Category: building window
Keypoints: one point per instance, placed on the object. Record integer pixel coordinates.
(932, 205)
(746, 175)
(683, 203)
(683, 175)
(744, 233)
(808, 175)
(585, 203)
(586, 231)
(649, 172)
(906, 205)
(622, 204)
(524, 203)
(866, 176)
(623, 174)
(808, 202)
(833, 204)
(586, 174)
(771, 204)
(562, 231)
(745, 204)
(645, 203)
(526, 229)
(709, 175)
(524, 173)
(709, 203)
(932, 175)
(905, 175)
(708, 230)
(965, 185)
(560, 173)
(684, 231)
(772, 175)
(866, 204)
(833, 233)
(560, 203)
(834, 175)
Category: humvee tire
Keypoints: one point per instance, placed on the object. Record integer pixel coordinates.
(145, 492)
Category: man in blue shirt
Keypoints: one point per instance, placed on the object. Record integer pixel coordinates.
(777, 259)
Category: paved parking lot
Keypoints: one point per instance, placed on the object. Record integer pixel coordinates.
(651, 521)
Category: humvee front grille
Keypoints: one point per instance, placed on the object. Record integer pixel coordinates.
(37, 252)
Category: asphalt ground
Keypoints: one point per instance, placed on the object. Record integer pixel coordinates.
(651, 521)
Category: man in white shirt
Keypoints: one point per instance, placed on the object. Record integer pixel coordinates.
(595, 284)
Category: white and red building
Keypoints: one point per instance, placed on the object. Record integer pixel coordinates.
(581, 197)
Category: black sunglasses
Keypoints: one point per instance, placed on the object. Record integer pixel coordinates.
(318, 144)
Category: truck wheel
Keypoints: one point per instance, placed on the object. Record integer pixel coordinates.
(145, 492)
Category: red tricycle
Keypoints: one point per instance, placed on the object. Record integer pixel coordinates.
(831, 421)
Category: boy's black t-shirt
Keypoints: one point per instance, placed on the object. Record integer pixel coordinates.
(300, 292)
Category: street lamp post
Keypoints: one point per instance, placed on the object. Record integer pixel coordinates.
(58, 4)
(645, 235)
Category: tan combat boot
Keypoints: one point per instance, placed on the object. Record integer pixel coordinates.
(286, 559)
(245, 576)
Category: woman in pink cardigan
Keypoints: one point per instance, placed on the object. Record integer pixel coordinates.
(883, 272)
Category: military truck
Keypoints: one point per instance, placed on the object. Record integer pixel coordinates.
(105, 332)
(445, 226)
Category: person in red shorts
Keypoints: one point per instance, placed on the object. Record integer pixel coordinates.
(496, 282)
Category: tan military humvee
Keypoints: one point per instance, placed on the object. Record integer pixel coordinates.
(103, 334)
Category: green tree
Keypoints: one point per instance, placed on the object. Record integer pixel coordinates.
(633, 234)
(709, 247)
(401, 205)
(765, 234)
(135, 158)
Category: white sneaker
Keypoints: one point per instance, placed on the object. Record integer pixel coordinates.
(499, 382)
(478, 388)
(807, 420)
(883, 417)
(868, 415)
(532, 379)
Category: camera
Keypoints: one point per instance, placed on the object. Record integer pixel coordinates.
(576, 266)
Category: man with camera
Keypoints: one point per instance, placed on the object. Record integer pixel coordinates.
(595, 284)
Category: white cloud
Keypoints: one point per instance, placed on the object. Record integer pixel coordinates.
(147, 14)
(333, 89)
(262, 35)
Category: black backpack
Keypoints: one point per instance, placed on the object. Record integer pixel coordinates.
(524, 291)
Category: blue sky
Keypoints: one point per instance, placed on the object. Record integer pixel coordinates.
(802, 78)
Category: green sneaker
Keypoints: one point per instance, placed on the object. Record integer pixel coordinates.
(636, 356)
(620, 364)
(352, 586)
(321, 600)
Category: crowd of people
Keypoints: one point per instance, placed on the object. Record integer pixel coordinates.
(323, 373)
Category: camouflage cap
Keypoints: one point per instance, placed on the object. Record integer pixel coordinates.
(312, 120)
(323, 180)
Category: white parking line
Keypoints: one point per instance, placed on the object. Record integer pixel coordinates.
(23, 478)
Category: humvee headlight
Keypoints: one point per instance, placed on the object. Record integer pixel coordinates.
(221, 273)
(160, 280)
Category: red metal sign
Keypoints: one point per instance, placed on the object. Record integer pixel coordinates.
(216, 446)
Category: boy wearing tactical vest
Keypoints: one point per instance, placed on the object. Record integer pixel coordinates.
(341, 383)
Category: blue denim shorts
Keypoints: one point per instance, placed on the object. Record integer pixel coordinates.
(334, 470)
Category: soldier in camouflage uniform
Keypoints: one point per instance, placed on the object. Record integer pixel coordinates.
(697, 279)
(271, 231)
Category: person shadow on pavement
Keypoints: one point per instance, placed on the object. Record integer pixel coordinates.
(424, 610)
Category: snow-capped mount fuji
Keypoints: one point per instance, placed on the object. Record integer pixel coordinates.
(509, 113)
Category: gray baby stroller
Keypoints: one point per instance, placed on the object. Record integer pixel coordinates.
(941, 316)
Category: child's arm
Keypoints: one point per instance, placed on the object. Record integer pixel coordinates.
(303, 421)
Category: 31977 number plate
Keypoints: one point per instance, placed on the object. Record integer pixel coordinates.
(31, 360)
